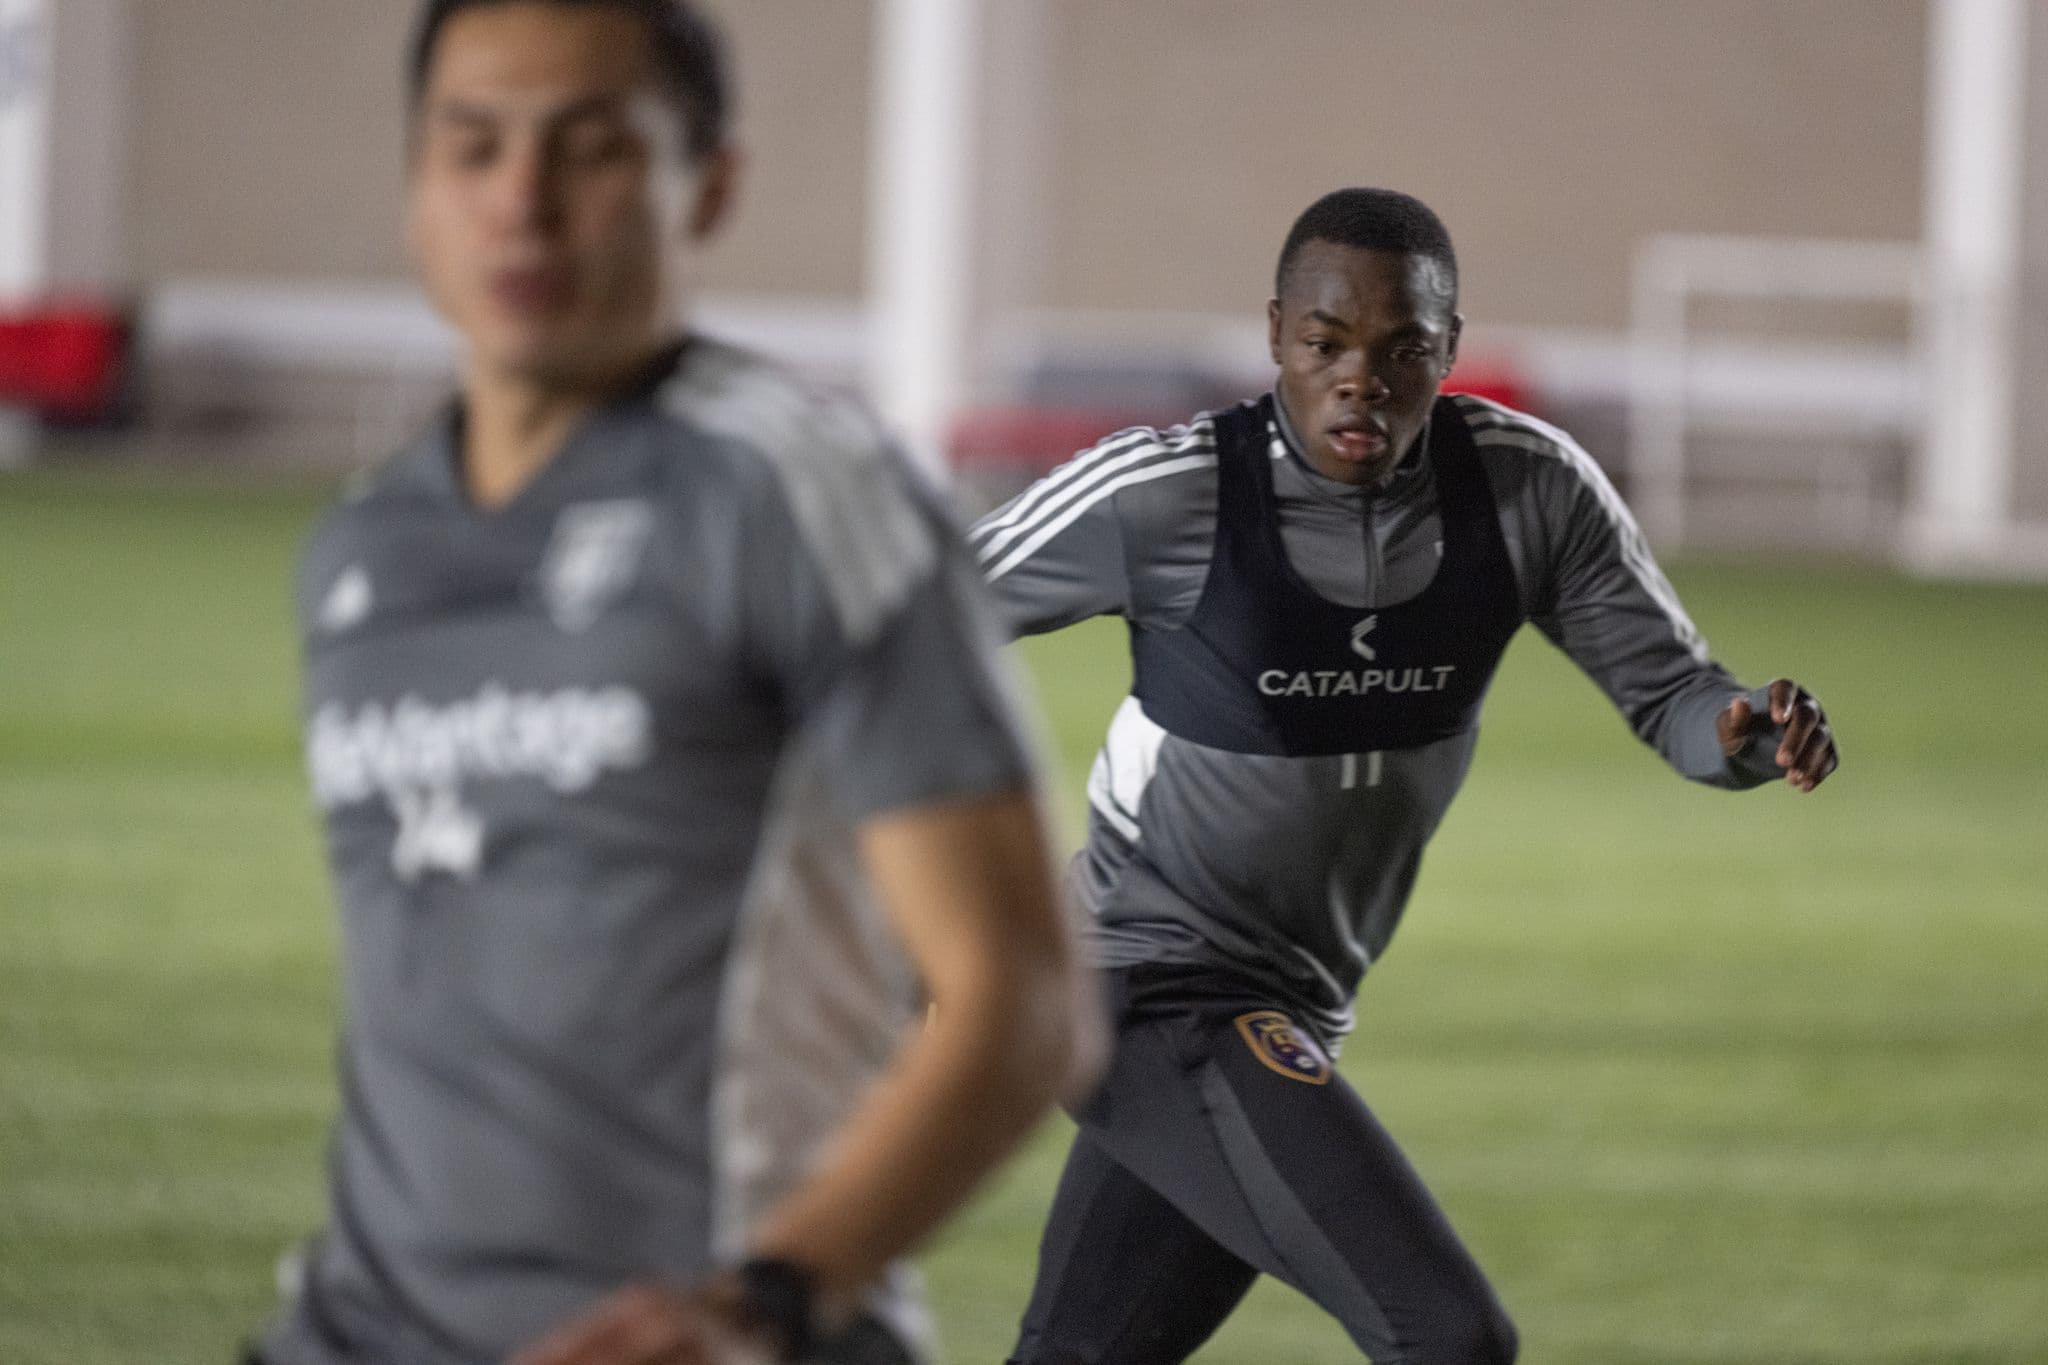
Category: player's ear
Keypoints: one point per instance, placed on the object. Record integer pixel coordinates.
(1273, 328)
(1451, 342)
(718, 175)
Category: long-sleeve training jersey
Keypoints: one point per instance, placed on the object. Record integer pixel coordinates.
(1295, 870)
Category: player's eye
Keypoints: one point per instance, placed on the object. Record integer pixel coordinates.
(475, 153)
(1321, 346)
(594, 143)
(468, 148)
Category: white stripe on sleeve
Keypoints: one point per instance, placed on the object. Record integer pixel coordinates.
(1083, 480)
(1046, 530)
(1022, 506)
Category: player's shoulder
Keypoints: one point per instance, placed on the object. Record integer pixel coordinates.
(1157, 452)
(1159, 476)
(869, 519)
(1496, 426)
(1139, 474)
(1192, 443)
(409, 487)
(1522, 450)
(768, 418)
(417, 481)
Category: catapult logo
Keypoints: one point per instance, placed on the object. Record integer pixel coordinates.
(419, 757)
(1358, 634)
(1356, 682)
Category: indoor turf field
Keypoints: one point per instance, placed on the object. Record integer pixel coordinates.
(1748, 1081)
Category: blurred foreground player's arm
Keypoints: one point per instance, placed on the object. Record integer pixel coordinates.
(1611, 609)
(966, 887)
(887, 662)
(886, 652)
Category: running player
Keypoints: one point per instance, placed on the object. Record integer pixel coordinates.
(1319, 585)
(662, 760)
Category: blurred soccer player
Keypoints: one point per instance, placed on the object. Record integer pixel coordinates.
(662, 760)
(1319, 585)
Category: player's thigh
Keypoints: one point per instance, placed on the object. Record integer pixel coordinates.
(1123, 1276)
(1235, 1117)
(1339, 1200)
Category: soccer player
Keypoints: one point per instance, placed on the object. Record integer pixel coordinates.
(663, 760)
(1319, 585)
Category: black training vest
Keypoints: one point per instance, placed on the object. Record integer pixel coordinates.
(1267, 666)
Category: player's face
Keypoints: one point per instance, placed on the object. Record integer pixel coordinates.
(1362, 338)
(550, 206)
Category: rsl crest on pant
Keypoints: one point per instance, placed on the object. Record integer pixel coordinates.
(1278, 1044)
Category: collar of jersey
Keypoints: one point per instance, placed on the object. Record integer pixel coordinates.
(436, 457)
(1401, 481)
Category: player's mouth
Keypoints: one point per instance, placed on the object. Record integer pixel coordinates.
(1358, 442)
(531, 290)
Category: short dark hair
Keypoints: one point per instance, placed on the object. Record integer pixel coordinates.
(688, 54)
(1375, 220)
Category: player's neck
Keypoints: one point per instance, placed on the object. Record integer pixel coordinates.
(509, 434)
(514, 425)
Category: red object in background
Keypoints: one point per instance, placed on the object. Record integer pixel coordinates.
(64, 361)
(1006, 440)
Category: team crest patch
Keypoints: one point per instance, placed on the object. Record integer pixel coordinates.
(592, 559)
(1277, 1043)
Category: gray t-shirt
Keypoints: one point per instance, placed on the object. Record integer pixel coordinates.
(1295, 871)
(590, 765)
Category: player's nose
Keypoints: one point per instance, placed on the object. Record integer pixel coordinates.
(1351, 377)
(524, 190)
(1361, 385)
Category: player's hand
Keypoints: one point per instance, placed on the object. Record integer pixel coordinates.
(646, 1324)
(1806, 748)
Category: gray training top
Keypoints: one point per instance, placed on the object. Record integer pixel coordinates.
(590, 765)
(1294, 871)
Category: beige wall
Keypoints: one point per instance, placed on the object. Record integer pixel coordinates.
(266, 137)
(1551, 133)
(268, 140)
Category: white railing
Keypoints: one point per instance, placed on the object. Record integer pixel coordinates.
(1846, 398)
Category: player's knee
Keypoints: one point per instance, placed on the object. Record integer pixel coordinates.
(1496, 1342)
(1465, 1325)
(1477, 1332)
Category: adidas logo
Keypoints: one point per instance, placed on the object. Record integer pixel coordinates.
(348, 601)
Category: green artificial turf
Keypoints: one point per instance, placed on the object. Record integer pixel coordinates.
(1702, 1078)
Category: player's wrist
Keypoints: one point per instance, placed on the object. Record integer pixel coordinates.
(774, 1301)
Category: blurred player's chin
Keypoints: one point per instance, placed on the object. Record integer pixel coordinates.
(549, 357)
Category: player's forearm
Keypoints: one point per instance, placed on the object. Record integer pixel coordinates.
(1687, 736)
(968, 885)
(1679, 725)
(964, 1091)
(1669, 694)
